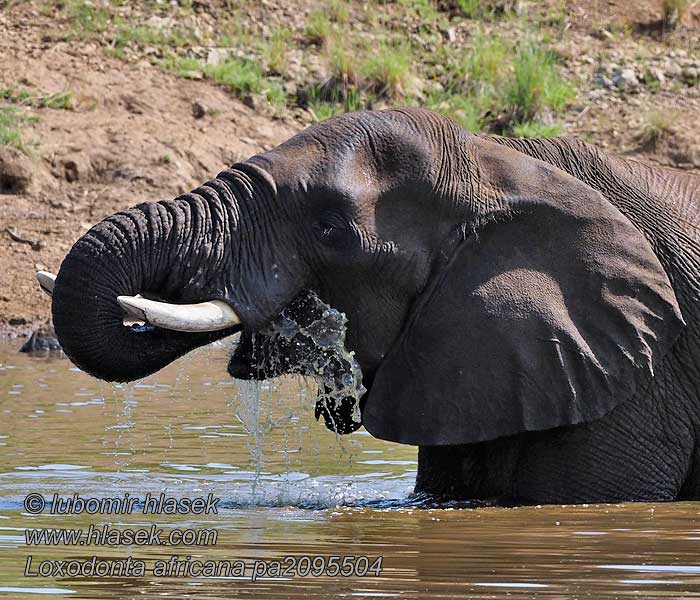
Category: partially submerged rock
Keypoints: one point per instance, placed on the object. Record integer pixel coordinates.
(43, 340)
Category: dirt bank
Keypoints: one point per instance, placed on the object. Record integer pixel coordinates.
(104, 123)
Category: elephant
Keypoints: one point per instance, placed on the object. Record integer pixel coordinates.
(525, 311)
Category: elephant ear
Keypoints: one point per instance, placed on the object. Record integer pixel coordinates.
(552, 312)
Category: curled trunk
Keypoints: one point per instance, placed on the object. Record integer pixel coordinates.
(179, 250)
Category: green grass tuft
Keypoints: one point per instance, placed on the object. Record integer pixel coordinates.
(674, 11)
(61, 100)
(535, 84)
(128, 35)
(240, 75)
(319, 28)
(275, 50)
(277, 98)
(535, 129)
(12, 121)
(387, 71)
(462, 109)
(338, 11)
(86, 17)
(657, 125)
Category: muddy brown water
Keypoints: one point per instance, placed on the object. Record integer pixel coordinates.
(288, 488)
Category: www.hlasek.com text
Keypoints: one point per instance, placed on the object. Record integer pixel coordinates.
(106, 535)
(187, 567)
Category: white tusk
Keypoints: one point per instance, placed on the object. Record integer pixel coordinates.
(46, 281)
(205, 316)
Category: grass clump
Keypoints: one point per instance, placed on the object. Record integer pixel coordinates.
(319, 28)
(462, 109)
(62, 100)
(472, 9)
(277, 98)
(674, 11)
(321, 108)
(343, 66)
(535, 84)
(657, 126)
(185, 66)
(387, 73)
(533, 129)
(483, 74)
(240, 75)
(91, 20)
(128, 35)
(426, 10)
(338, 11)
(275, 51)
(12, 121)
(481, 9)
(86, 17)
(501, 87)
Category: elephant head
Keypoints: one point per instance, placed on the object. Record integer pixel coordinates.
(486, 292)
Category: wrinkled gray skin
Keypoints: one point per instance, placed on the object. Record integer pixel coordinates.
(525, 311)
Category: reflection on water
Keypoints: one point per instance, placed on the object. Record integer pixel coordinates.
(288, 486)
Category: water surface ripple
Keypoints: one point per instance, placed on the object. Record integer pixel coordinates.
(288, 487)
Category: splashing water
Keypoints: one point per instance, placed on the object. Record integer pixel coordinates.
(308, 338)
(324, 355)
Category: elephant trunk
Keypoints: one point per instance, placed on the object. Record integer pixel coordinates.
(181, 251)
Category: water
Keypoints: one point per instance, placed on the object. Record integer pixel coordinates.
(308, 338)
(291, 487)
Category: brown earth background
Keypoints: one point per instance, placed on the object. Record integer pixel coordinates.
(107, 111)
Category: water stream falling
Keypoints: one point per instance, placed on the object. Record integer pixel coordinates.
(307, 339)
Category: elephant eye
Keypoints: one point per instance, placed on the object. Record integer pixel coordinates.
(329, 232)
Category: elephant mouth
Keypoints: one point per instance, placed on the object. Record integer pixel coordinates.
(307, 338)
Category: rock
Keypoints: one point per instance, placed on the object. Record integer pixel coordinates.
(691, 75)
(199, 109)
(451, 34)
(249, 101)
(291, 88)
(598, 93)
(673, 69)
(216, 56)
(133, 104)
(15, 171)
(42, 340)
(15, 321)
(626, 80)
(160, 23)
(77, 168)
(602, 81)
(656, 74)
